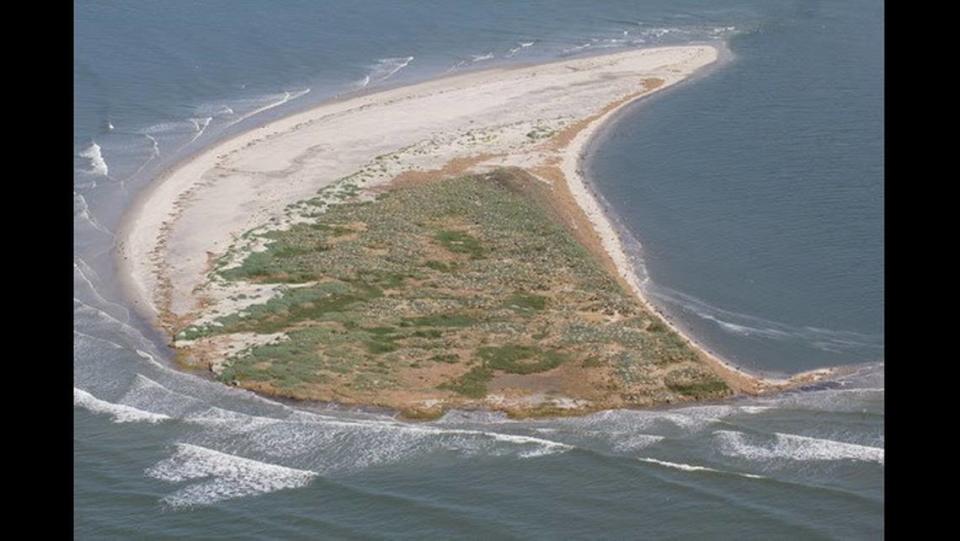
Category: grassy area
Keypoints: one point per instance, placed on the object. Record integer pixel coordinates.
(438, 289)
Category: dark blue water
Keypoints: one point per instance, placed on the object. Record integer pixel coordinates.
(756, 193)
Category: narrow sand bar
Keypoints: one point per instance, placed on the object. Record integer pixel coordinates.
(537, 117)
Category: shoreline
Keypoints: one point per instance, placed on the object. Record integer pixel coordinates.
(145, 238)
(599, 216)
(161, 175)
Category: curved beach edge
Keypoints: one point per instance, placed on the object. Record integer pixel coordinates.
(147, 237)
(573, 172)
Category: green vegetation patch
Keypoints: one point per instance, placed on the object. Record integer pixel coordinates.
(520, 359)
(526, 301)
(372, 290)
(473, 384)
(460, 242)
(440, 320)
(696, 382)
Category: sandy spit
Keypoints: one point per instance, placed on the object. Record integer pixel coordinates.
(538, 117)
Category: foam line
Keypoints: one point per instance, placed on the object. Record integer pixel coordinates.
(150, 358)
(221, 476)
(112, 344)
(794, 447)
(201, 125)
(83, 211)
(154, 154)
(576, 48)
(144, 393)
(747, 325)
(287, 96)
(121, 413)
(692, 468)
(520, 46)
(127, 329)
(386, 68)
(84, 272)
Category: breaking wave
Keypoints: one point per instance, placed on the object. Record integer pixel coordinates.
(98, 165)
(275, 101)
(692, 468)
(794, 447)
(120, 412)
(520, 46)
(383, 69)
(221, 476)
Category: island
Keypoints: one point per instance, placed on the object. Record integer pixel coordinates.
(423, 248)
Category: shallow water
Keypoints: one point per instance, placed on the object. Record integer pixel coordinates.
(768, 169)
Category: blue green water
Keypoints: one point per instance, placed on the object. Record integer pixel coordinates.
(754, 195)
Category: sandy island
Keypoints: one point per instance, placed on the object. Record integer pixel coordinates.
(538, 118)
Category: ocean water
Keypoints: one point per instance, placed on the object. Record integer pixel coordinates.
(754, 194)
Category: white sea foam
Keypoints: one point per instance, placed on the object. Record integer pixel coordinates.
(82, 211)
(121, 413)
(146, 394)
(692, 468)
(221, 476)
(154, 152)
(275, 101)
(747, 325)
(633, 442)
(91, 317)
(362, 83)
(622, 425)
(150, 358)
(481, 57)
(695, 418)
(155, 146)
(98, 165)
(656, 33)
(577, 48)
(235, 421)
(87, 276)
(794, 447)
(376, 441)
(200, 124)
(520, 46)
(459, 64)
(545, 444)
(213, 110)
(386, 68)
(177, 126)
(724, 29)
(832, 400)
(85, 336)
(755, 409)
